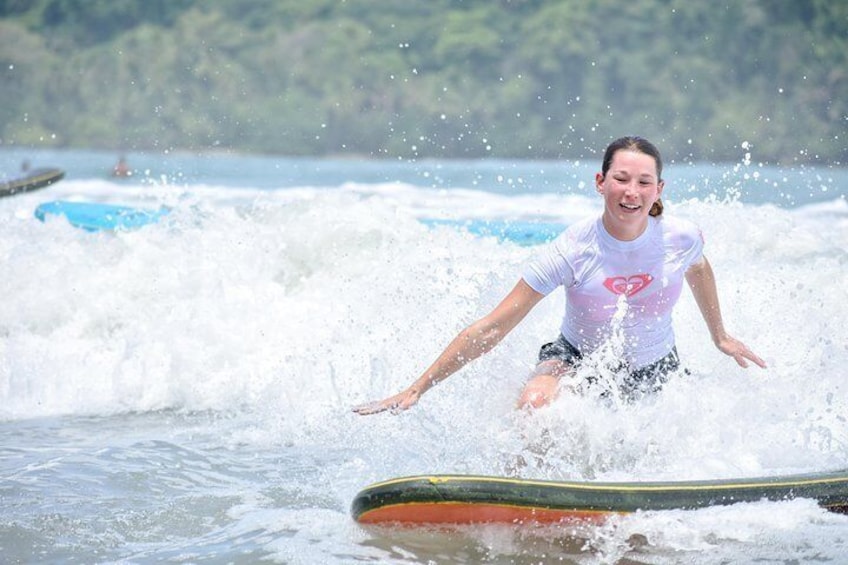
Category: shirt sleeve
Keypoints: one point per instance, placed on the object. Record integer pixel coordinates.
(689, 243)
(549, 269)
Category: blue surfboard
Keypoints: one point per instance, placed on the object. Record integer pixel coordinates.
(522, 232)
(93, 216)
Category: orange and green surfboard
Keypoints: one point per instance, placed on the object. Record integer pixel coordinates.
(466, 499)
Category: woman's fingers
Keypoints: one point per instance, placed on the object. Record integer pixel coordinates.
(371, 408)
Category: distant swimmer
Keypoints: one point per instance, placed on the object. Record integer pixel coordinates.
(121, 169)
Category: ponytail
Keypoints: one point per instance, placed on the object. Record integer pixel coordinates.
(656, 208)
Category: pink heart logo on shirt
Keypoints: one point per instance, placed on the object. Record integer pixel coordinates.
(628, 285)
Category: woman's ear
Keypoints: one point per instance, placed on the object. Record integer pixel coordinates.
(599, 183)
(660, 186)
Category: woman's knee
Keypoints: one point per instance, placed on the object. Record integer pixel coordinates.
(543, 386)
(539, 391)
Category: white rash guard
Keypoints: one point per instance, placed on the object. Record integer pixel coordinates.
(596, 269)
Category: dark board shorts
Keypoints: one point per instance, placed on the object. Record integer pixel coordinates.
(645, 379)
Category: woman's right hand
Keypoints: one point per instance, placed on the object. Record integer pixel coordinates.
(473, 341)
(396, 404)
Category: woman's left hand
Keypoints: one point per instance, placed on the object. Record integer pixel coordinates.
(740, 352)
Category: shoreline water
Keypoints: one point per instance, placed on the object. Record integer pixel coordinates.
(746, 180)
(183, 392)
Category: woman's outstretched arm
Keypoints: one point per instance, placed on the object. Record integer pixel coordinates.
(701, 280)
(472, 342)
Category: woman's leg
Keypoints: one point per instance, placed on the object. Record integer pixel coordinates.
(543, 386)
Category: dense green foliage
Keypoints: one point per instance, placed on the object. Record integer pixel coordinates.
(429, 78)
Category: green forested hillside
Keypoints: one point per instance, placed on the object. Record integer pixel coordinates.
(429, 78)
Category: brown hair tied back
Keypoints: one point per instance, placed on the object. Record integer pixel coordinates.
(640, 145)
(657, 208)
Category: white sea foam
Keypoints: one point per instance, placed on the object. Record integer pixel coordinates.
(281, 309)
(315, 299)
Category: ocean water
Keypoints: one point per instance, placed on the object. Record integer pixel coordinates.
(183, 392)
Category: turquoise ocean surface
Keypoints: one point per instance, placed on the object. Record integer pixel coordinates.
(182, 392)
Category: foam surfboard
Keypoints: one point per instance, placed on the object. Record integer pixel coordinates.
(93, 216)
(522, 232)
(33, 180)
(467, 499)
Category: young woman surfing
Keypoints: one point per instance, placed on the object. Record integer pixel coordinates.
(622, 272)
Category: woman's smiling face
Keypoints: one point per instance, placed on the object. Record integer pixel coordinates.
(630, 188)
